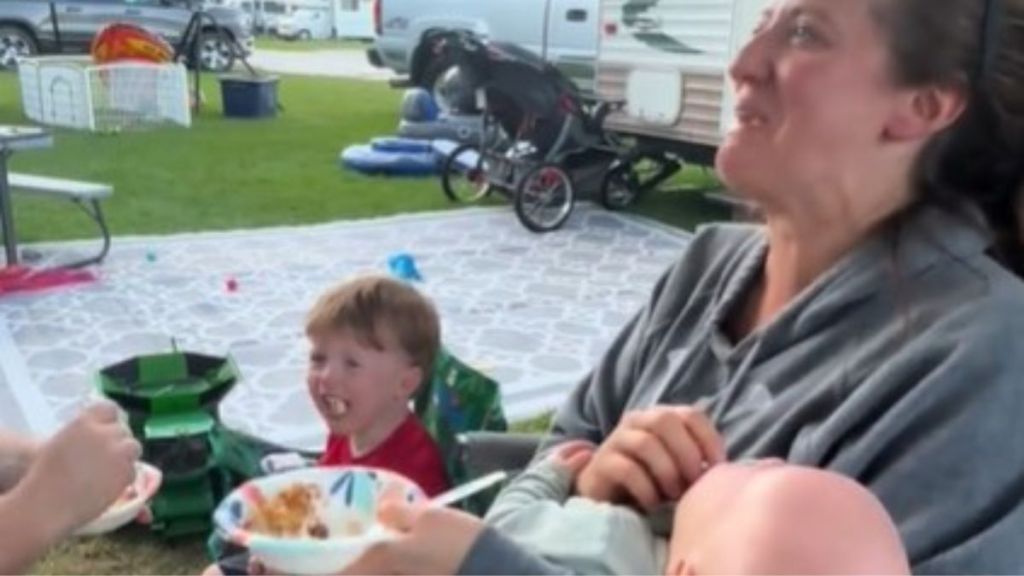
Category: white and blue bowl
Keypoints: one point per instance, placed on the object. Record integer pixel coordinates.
(347, 496)
(128, 507)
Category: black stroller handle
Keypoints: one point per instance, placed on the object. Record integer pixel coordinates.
(468, 51)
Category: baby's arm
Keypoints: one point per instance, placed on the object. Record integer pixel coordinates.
(574, 535)
(541, 489)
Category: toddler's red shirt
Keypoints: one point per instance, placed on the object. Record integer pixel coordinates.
(409, 450)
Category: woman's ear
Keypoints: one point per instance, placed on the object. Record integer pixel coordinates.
(924, 112)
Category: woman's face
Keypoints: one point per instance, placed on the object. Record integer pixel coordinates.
(814, 98)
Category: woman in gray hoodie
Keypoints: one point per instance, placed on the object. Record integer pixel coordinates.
(873, 325)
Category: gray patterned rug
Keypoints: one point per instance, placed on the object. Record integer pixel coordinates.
(532, 311)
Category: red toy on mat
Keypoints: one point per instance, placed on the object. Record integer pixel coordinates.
(25, 279)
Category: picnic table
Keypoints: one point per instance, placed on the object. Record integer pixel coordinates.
(13, 138)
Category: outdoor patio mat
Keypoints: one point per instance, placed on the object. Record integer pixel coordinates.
(533, 311)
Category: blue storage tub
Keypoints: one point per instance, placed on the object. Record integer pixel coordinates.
(247, 96)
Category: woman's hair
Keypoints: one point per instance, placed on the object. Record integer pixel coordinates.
(978, 46)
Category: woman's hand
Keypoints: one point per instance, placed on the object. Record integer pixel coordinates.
(433, 541)
(652, 456)
(84, 467)
(16, 456)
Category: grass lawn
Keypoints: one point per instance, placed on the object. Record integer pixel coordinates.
(227, 174)
(224, 174)
(274, 43)
(133, 550)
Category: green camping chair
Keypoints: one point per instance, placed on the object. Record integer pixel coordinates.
(455, 401)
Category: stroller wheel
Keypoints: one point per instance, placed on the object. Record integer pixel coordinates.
(464, 175)
(545, 197)
(620, 187)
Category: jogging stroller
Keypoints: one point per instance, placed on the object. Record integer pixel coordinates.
(541, 139)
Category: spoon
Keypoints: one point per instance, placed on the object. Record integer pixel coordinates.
(468, 489)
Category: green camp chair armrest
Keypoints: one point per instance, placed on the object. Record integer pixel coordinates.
(484, 452)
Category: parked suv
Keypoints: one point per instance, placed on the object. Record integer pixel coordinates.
(563, 32)
(30, 27)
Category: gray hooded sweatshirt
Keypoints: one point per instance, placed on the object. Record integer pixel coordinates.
(901, 367)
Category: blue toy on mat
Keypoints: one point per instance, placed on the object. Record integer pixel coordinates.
(403, 266)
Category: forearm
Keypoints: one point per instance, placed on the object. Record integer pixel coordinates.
(493, 553)
(16, 453)
(28, 527)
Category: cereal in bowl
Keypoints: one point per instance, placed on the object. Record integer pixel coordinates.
(291, 513)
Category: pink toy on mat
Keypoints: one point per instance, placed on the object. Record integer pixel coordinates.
(25, 279)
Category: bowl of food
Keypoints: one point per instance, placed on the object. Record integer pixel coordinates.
(129, 504)
(312, 520)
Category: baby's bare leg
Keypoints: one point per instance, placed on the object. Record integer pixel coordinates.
(779, 519)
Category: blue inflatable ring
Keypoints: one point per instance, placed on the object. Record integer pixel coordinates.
(395, 144)
(363, 158)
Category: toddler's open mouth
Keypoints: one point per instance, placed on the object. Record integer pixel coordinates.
(335, 406)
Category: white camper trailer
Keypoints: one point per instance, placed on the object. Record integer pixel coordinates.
(353, 19)
(667, 60)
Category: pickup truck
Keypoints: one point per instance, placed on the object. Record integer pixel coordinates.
(30, 27)
(564, 32)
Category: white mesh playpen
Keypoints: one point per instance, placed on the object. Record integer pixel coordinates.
(72, 92)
